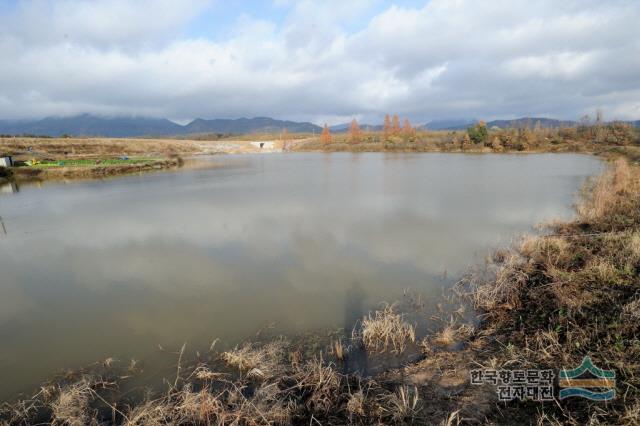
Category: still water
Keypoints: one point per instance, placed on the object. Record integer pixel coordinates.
(114, 268)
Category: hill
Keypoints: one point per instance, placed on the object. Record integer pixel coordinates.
(455, 124)
(248, 125)
(546, 123)
(517, 123)
(89, 125)
(343, 128)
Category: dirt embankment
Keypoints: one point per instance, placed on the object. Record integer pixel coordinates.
(60, 148)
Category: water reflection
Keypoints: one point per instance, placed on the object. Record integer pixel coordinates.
(9, 188)
(114, 268)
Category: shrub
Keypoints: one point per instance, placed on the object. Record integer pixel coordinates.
(478, 133)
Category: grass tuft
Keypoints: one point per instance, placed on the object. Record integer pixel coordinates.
(387, 330)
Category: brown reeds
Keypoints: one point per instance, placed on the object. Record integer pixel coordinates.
(386, 330)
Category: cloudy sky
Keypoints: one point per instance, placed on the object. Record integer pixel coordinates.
(321, 61)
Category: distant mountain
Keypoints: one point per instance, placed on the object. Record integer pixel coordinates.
(342, 128)
(248, 125)
(89, 125)
(517, 123)
(547, 123)
(456, 124)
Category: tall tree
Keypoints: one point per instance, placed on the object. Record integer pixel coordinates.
(387, 126)
(407, 129)
(286, 141)
(325, 137)
(395, 127)
(354, 132)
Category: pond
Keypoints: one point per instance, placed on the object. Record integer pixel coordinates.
(299, 242)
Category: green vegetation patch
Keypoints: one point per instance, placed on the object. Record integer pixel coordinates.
(90, 162)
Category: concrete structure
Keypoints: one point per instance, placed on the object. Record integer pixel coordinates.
(6, 162)
(265, 146)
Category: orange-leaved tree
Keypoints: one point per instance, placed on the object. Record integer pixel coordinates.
(325, 137)
(407, 129)
(354, 132)
(387, 126)
(395, 127)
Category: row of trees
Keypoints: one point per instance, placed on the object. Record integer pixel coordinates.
(390, 129)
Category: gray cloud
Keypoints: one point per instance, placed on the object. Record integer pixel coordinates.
(457, 58)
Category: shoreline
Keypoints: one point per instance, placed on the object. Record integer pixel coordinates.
(31, 174)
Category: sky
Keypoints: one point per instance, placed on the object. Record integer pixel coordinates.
(320, 61)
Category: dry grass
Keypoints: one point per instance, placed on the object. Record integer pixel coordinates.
(599, 199)
(631, 416)
(72, 405)
(386, 330)
(258, 362)
(553, 250)
(605, 191)
(92, 147)
(150, 413)
(320, 382)
(503, 290)
(453, 333)
(339, 350)
(452, 420)
(621, 175)
(356, 405)
(631, 311)
(634, 247)
(403, 405)
(198, 407)
(557, 298)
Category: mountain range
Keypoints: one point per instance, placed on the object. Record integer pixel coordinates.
(90, 125)
(517, 123)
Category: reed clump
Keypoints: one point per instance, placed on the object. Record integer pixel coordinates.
(386, 330)
(71, 407)
(258, 362)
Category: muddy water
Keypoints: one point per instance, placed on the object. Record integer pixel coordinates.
(114, 268)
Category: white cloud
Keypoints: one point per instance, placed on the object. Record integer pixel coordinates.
(453, 58)
(105, 23)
